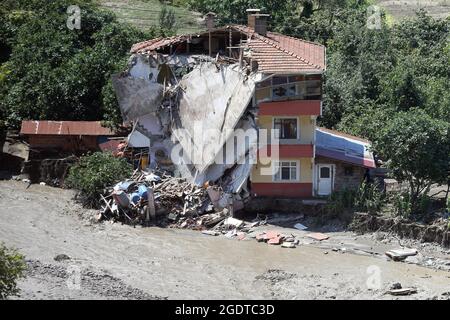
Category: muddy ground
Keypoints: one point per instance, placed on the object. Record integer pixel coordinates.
(114, 261)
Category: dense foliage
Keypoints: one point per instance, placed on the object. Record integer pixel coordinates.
(50, 71)
(417, 148)
(373, 72)
(96, 171)
(12, 268)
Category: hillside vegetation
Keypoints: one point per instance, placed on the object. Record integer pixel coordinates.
(145, 14)
(407, 8)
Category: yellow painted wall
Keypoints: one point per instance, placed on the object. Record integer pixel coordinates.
(306, 171)
(306, 127)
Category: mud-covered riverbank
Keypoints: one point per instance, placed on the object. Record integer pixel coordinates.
(117, 261)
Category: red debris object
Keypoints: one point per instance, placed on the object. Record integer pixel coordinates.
(318, 236)
(275, 241)
(241, 236)
(109, 145)
(261, 237)
(271, 235)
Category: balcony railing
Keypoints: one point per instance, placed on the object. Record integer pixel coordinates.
(307, 87)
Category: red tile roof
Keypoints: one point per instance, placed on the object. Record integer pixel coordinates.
(157, 43)
(275, 53)
(85, 128)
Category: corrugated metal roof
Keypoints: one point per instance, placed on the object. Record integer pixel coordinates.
(344, 135)
(275, 53)
(85, 128)
(343, 147)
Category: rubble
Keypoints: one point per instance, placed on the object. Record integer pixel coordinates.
(399, 291)
(318, 236)
(288, 245)
(184, 109)
(149, 196)
(401, 254)
(159, 198)
(300, 226)
(61, 257)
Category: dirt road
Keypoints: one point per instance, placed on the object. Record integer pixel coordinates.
(114, 261)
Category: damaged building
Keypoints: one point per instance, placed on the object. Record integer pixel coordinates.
(189, 97)
(53, 146)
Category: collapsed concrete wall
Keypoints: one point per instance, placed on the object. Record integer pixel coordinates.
(213, 100)
(193, 104)
(137, 96)
(242, 154)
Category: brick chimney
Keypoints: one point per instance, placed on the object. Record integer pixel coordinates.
(257, 21)
(209, 18)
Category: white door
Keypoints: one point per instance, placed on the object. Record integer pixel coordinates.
(325, 179)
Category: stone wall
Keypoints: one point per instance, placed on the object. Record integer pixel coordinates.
(346, 176)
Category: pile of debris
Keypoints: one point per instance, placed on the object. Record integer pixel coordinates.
(186, 111)
(157, 197)
(150, 196)
(233, 228)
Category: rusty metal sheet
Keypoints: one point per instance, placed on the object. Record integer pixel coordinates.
(85, 128)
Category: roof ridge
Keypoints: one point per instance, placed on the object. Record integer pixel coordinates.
(298, 39)
(307, 47)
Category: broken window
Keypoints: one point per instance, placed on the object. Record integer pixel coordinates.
(283, 91)
(286, 128)
(285, 171)
(301, 87)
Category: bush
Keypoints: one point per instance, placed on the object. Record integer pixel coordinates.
(340, 200)
(366, 198)
(12, 268)
(403, 204)
(369, 198)
(96, 171)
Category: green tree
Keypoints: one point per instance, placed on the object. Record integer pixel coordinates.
(383, 71)
(96, 171)
(12, 268)
(417, 150)
(167, 21)
(55, 73)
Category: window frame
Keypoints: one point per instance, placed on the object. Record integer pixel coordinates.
(287, 117)
(304, 81)
(277, 163)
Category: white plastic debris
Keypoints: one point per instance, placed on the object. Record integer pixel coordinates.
(300, 226)
(234, 222)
